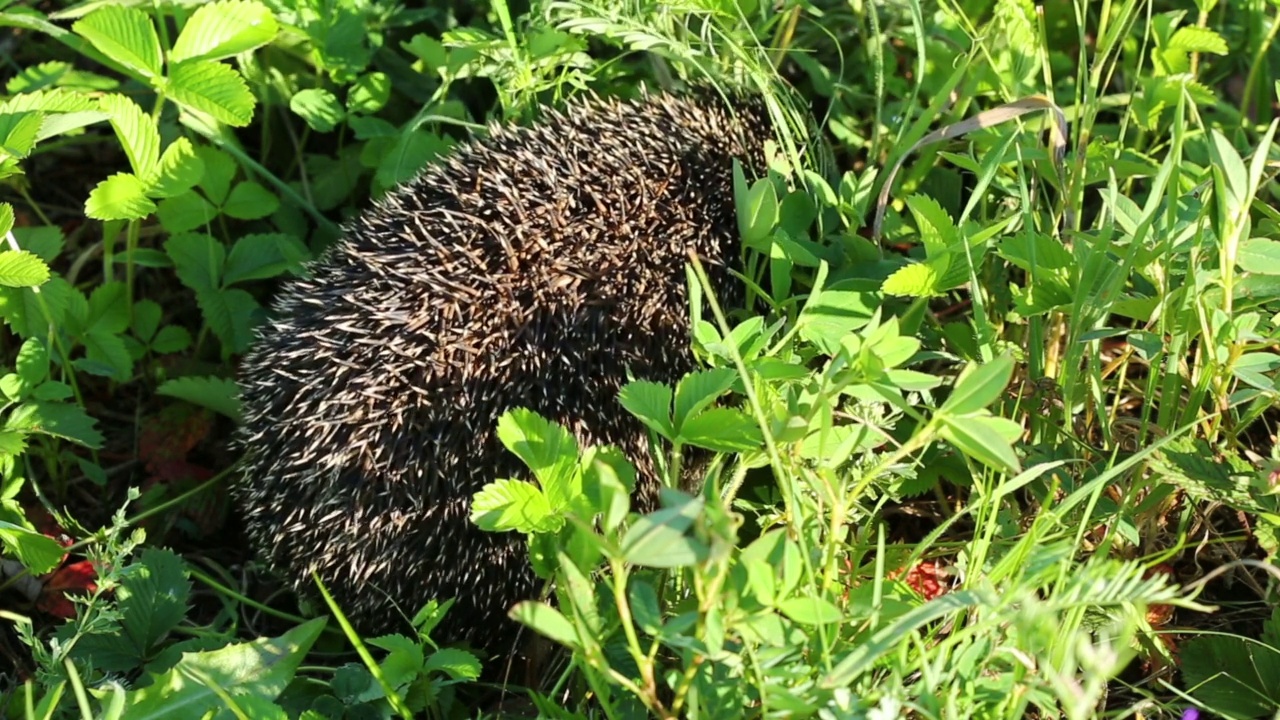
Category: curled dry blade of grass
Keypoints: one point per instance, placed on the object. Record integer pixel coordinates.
(982, 121)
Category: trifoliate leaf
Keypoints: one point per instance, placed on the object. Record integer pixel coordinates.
(19, 268)
(171, 339)
(120, 197)
(220, 395)
(319, 107)
(221, 29)
(124, 34)
(211, 88)
(825, 321)
(136, 130)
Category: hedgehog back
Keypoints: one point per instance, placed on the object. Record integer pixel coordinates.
(533, 268)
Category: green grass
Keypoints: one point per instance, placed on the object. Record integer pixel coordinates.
(996, 432)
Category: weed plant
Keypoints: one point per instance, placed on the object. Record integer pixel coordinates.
(993, 435)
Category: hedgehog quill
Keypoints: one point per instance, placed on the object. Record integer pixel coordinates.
(534, 268)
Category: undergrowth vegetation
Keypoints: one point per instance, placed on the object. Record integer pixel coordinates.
(993, 437)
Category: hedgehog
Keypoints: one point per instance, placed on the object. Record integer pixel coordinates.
(539, 267)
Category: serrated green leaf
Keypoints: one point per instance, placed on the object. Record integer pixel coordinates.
(185, 212)
(250, 201)
(920, 279)
(124, 34)
(19, 268)
(369, 93)
(651, 403)
(1235, 676)
(32, 363)
(229, 313)
(69, 422)
(136, 130)
(319, 107)
(549, 450)
(12, 443)
(120, 197)
(937, 229)
(180, 168)
(220, 395)
(171, 339)
(198, 260)
(37, 77)
(152, 597)
(259, 668)
(6, 218)
(38, 553)
(262, 256)
(411, 152)
(18, 132)
(454, 662)
(106, 355)
(1198, 39)
(152, 600)
(146, 319)
(219, 170)
(722, 430)
(211, 88)
(507, 504)
(108, 308)
(697, 390)
(221, 29)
